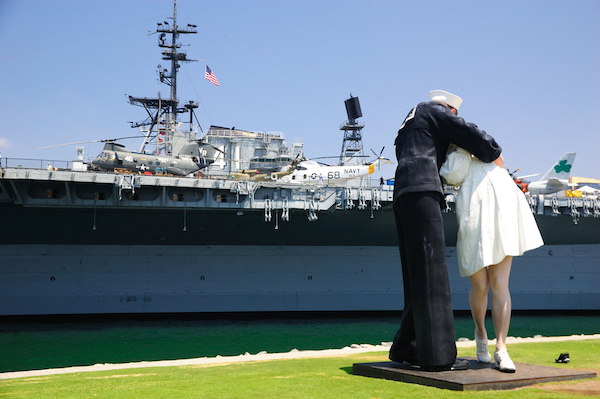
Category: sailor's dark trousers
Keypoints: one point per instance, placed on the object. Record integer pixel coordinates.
(426, 336)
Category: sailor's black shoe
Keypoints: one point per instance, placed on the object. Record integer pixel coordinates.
(398, 359)
(459, 364)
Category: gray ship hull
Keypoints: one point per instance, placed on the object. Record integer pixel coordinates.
(80, 279)
(77, 259)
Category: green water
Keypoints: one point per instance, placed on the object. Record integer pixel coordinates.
(43, 343)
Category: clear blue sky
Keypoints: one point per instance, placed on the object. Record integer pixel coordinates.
(528, 71)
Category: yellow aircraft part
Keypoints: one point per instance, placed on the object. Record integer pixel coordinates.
(371, 169)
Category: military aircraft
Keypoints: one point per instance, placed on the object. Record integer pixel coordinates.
(189, 160)
(313, 172)
(255, 175)
(556, 179)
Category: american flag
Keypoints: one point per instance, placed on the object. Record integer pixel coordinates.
(210, 76)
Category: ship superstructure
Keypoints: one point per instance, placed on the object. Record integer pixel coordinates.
(240, 149)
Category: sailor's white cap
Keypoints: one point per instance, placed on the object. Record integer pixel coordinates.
(447, 98)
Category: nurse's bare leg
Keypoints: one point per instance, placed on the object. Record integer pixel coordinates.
(478, 296)
(501, 303)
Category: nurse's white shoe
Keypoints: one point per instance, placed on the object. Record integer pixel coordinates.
(503, 362)
(483, 353)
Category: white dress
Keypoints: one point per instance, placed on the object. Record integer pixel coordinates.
(494, 219)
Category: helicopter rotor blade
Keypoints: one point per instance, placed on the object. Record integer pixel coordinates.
(381, 152)
(199, 141)
(120, 138)
(89, 141)
(353, 156)
(61, 145)
(217, 149)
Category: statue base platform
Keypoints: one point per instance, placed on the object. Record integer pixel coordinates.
(478, 377)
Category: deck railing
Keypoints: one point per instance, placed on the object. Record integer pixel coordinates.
(29, 163)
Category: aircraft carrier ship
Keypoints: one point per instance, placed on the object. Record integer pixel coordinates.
(192, 228)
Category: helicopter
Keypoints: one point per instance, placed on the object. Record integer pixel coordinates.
(310, 171)
(255, 175)
(191, 158)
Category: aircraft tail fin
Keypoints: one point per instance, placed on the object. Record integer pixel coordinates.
(562, 169)
(190, 150)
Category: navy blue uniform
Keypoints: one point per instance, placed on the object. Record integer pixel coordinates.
(426, 336)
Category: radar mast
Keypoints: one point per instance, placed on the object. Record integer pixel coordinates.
(352, 147)
(162, 124)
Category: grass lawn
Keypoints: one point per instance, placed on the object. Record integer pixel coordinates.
(329, 377)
